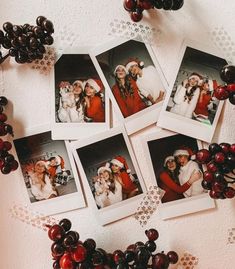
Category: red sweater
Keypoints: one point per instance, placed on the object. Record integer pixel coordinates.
(127, 184)
(96, 110)
(202, 103)
(131, 103)
(173, 191)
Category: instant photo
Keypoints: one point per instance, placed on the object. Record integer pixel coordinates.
(134, 80)
(110, 173)
(171, 159)
(191, 107)
(79, 98)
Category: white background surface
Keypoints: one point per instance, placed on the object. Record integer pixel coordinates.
(203, 234)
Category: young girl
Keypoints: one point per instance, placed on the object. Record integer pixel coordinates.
(120, 169)
(77, 111)
(94, 105)
(126, 93)
(41, 183)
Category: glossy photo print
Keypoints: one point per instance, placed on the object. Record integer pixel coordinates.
(48, 171)
(173, 167)
(134, 80)
(110, 173)
(191, 104)
(79, 99)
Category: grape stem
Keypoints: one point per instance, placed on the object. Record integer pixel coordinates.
(4, 58)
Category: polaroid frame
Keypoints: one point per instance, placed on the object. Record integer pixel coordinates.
(118, 210)
(144, 117)
(58, 204)
(181, 124)
(183, 206)
(73, 131)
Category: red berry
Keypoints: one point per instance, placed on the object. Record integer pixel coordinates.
(1, 144)
(1, 163)
(206, 184)
(56, 232)
(214, 195)
(129, 5)
(232, 149)
(218, 186)
(14, 165)
(7, 145)
(219, 157)
(221, 93)
(212, 167)
(66, 262)
(136, 16)
(231, 87)
(2, 129)
(208, 176)
(152, 234)
(229, 192)
(173, 257)
(57, 249)
(225, 147)
(79, 253)
(160, 261)
(3, 117)
(203, 156)
(145, 4)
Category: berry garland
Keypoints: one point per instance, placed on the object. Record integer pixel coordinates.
(7, 160)
(136, 7)
(71, 253)
(220, 174)
(227, 91)
(26, 43)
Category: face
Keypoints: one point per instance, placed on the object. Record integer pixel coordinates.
(104, 175)
(193, 82)
(115, 168)
(120, 72)
(135, 70)
(39, 167)
(205, 86)
(89, 90)
(182, 160)
(77, 88)
(53, 162)
(171, 165)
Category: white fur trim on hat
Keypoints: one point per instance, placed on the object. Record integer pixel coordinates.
(102, 169)
(93, 83)
(181, 152)
(130, 64)
(117, 162)
(195, 76)
(121, 66)
(78, 82)
(168, 159)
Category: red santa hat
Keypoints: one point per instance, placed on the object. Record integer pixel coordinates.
(121, 162)
(106, 167)
(195, 76)
(169, 158)
(119, 66)
(96, 84)
(212, 85)
(78, 82)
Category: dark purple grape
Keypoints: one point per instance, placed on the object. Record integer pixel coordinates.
(9, 35)
(136, 16)
(218, 176)
(142, 255)
(129, 256)
(227, 74)
(152, 234)
(1, 36)
(33, 43)
(6, 43)
(1, 109)
(122, 266)
(225, 147)
(17, 30)
(214, 148)
(173, 257)
(229, 192)
(22, 40)
(2, 129)
(207, 185)
(158, 4)
(167, 4)
(118, 256)
(3, 117)
(65, 224)
(214, 195)
(151, 246)
(9, 158)
(232, 98)
(25, 27)
(96, 258)
(160, 261)
(3, 101)
(218, 186)
(230, 160)
(7, 27)
(139, 244)
(13, 52)
(47, 40)
(40, 20)
(130, 5)
(41, 48)
(90, 244)
(6, 169)
(29, 35)
(56, 232)
(48, 26)
(14, 165)
(177, 4)
(56, 264)
(3, 153)
(38, 31)
(14, 43)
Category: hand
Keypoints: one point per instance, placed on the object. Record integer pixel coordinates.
(160, 97)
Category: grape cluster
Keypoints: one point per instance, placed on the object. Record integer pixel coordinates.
(220, 163)
(71, 253)
(136, 7)
(26, 43)
(227, 91)
(7, 160)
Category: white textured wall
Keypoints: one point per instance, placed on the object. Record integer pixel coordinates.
(203, 234)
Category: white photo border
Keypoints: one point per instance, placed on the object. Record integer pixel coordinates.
(142, 118)
(74, 131)
(59, 204)
(118, 210)
(183, 206)
(180, 124)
